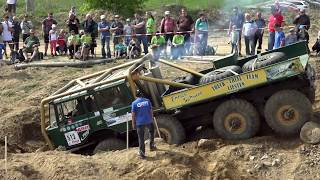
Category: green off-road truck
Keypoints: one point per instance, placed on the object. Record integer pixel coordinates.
(233, 96)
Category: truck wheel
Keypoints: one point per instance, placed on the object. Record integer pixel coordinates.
(263, 61)
(220, 74)
(111, 144)
(236, 119)
(170, 129)
(287, 111)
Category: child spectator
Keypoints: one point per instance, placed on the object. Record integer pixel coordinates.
(73, 11)
(316, 46)
(291, 37)
(73, 43)
(134, 49)
(25, 26)
(234, 35)
(177, 46)
(158, 43)
(279, 37)
(127, 32)
(86, 41)
(121, 49)
(53, 39)
(62, 49)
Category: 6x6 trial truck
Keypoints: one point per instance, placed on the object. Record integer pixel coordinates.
(234, 96)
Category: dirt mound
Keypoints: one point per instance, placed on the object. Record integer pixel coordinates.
(258, 158)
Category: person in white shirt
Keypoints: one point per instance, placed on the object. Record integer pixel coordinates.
(249, 30)
(7, 34)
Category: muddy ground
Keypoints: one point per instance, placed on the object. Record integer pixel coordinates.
(263, 157)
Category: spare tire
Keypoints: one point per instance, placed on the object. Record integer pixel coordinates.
(220, 74)
(264, 60)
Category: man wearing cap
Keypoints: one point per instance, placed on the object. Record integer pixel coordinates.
(104, 29)
(302, 19)
(142, 118)
(117, 31)
(167, 27)
(46, 27)
(31, 45)
(139, 25)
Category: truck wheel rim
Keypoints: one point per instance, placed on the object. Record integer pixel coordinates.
(235, 123)
(165, 135)
(287, 115)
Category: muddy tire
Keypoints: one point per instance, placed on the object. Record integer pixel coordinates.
(220, 74)
(236, 119)
(287, 111)
(264, 60)
(170, 129)
(111, 144)
(310, 133)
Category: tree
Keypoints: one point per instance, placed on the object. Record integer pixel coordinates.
(123, 7)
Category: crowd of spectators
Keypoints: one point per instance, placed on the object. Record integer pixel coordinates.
(172, 38)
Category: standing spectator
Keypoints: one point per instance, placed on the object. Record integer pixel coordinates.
(201, 34)
(46, 27)
(249, 29)
(29, 7)
(177, 44)
(139, 25)
(1, 43)
(91, 27)
(237, 19)
(291, 37)
(7, 34)
(275, 18)
(258, 37)
(235, 36)
(302, 19)
(31, 45)
(185, 24)
(279, 37)
(127, 32)
(73, 23)
(167, 27)
(117, 31)
(73, 43)
(151, 26)
(25, 26)
(16, 33)
(158, 43)
(142, 118)
(11, 5)
(53, 39)
(104, 29)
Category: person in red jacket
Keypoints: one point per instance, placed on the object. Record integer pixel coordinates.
(275, 18)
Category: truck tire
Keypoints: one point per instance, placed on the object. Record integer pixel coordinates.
(263, 61)
(110, 144)
(220, 74)
(287, 111)
(171, 130)
(236, 119)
